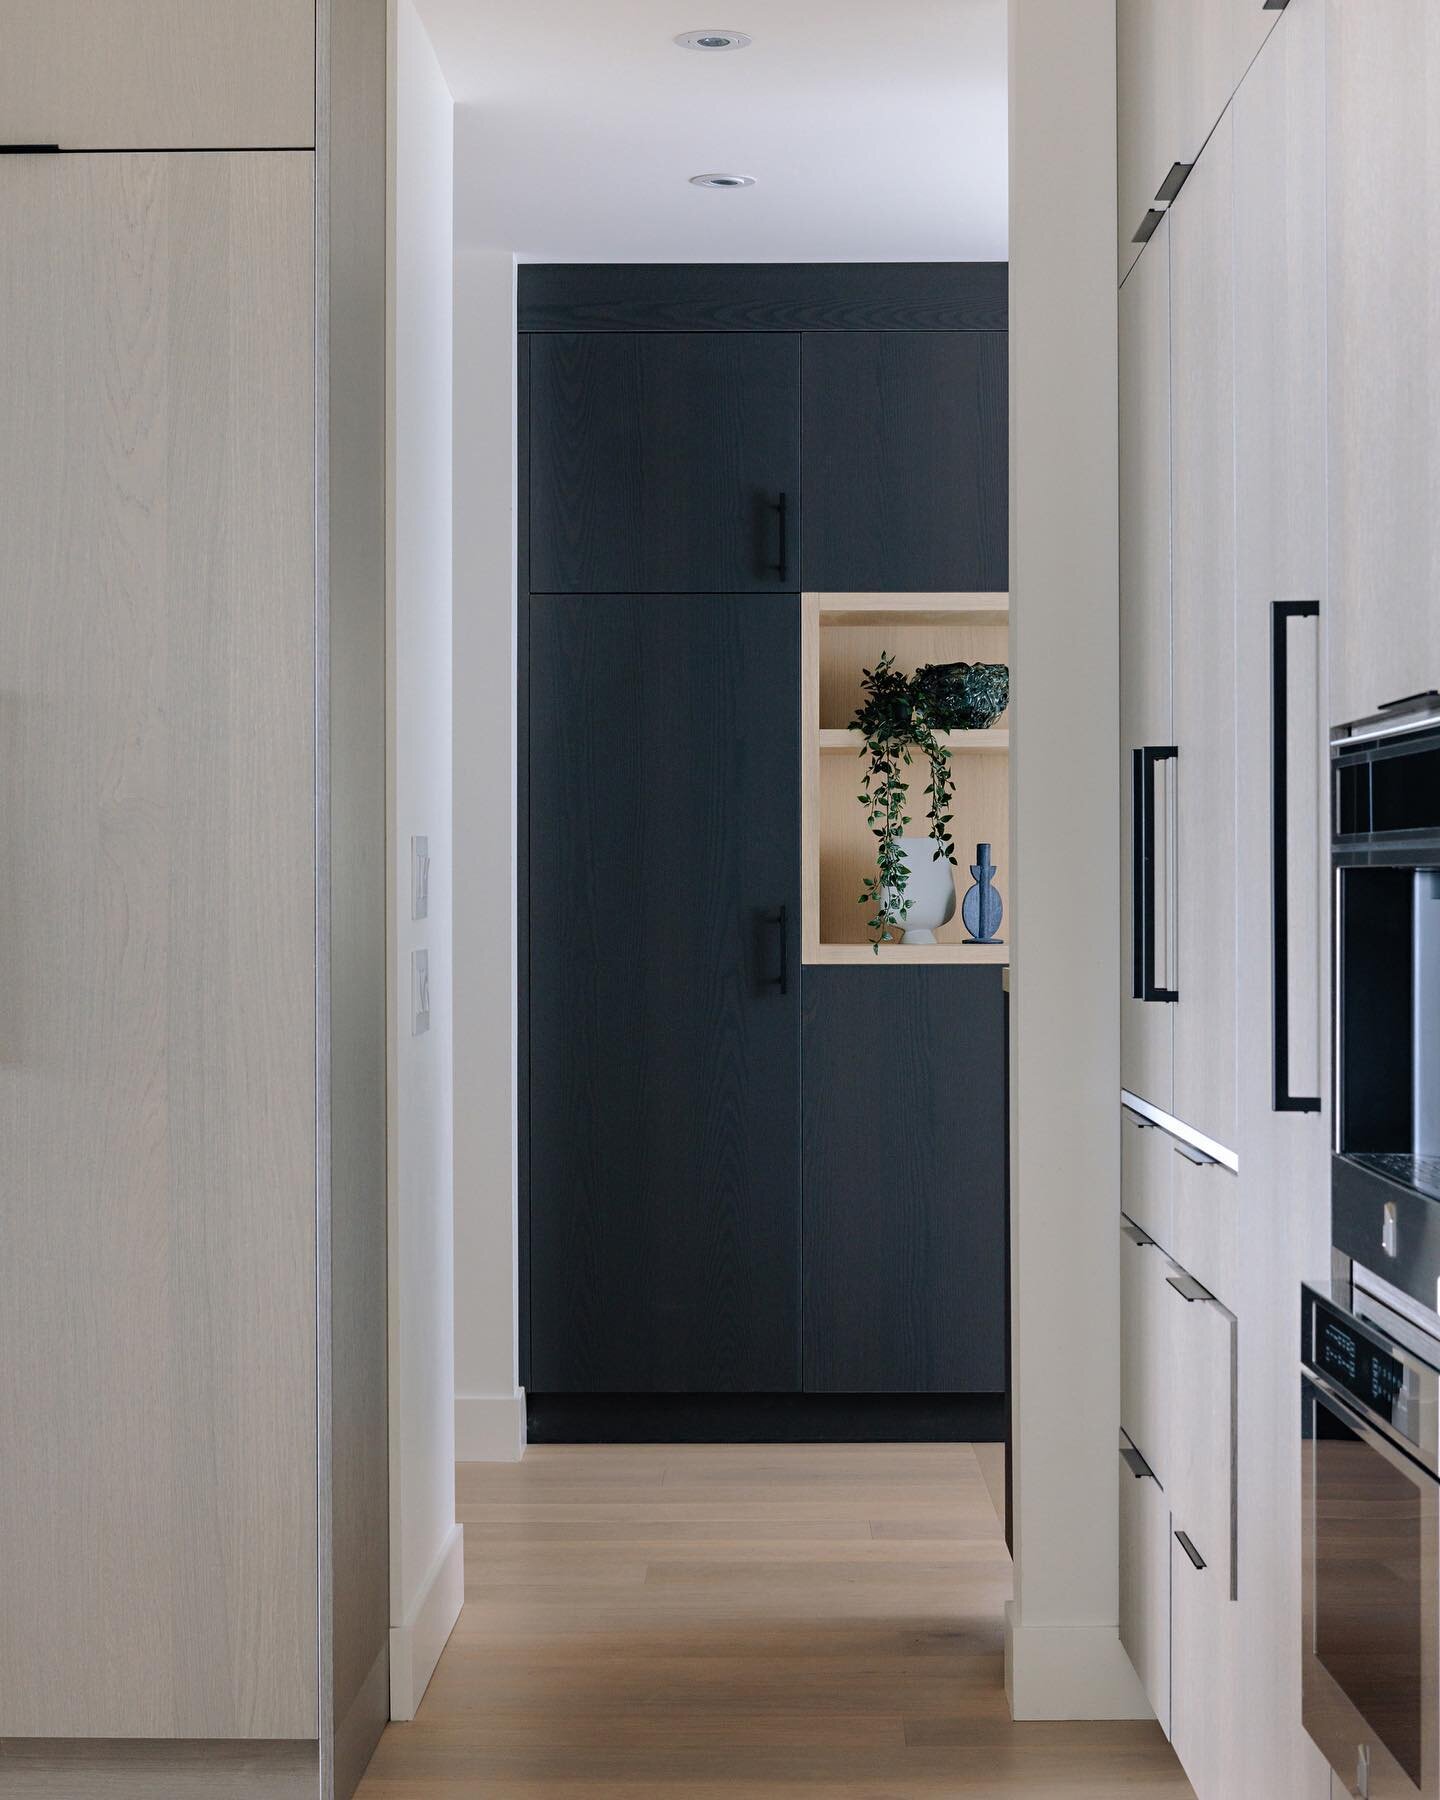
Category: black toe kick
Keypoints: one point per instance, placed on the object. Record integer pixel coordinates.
(765, 1418)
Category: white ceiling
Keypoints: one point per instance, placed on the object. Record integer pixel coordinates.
(876, 129)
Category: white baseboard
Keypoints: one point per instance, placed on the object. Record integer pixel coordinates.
(1070, 1672)
(490, 1427)
(415, 1646)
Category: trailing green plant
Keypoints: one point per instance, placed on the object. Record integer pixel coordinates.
(898, 715)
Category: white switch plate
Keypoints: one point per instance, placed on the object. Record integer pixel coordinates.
(419, 992)
(419, 878)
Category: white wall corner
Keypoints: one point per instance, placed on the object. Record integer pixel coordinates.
(490, 1427)
(1070, 1672)
(415, 1646)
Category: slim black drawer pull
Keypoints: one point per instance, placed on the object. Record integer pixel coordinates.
(1184, 1542)
(782, 507)
(1187, 1287)
(1147, 227)
(29, 149)
(1136, 1463)
(1281, 613)
(1142, 871)
(1173, 182)
(781, 919)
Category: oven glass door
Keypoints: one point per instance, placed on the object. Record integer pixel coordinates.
(1370, 1651)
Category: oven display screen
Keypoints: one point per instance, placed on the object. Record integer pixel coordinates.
(1354, 1363)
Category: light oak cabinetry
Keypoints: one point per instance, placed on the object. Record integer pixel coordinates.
(193, 1415)
(1252, 600)
(1145, 1578)
(158, 74)
(1202, 476)
(1383, 226)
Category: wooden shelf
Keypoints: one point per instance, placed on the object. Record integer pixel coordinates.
(842, 636)
(864, 954)
(996, 742)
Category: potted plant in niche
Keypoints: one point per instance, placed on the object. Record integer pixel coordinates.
(899, 716)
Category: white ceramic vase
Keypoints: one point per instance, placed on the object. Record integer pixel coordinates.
(930, 889)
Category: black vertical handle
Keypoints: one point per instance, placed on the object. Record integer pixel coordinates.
(782, 980)
(1146, 852)
(782, 506)
(1281, 613)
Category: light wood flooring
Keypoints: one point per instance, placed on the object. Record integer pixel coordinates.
(688, 1622)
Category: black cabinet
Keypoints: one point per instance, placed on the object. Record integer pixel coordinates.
(664, 462)
(904, 1186)
(663, 994)
(904, 463)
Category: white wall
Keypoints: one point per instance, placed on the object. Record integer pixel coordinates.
(489, 1406)
(1064, 1658)
(427, 1563)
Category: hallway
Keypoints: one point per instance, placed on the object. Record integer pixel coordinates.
(672, 1622)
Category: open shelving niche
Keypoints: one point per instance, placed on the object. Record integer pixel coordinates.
(842, 635)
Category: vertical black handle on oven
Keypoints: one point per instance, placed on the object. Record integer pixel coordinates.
(1281, 613)
(1145, 761)
(782, 507)
(782, 919)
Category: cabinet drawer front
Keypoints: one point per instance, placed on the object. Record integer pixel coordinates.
(1146, 1350)
(1147, 1165)
(1145, 1585)
(1202, 1422)
(1205, 1233)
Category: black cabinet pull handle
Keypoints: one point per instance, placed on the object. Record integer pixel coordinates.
(1142, 873)
(1281, 613)
(782, 506)
(781, 918)
(1184, 1542)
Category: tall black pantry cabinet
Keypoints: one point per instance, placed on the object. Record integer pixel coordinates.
(700, 1254)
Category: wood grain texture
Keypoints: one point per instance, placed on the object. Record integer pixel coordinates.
(763, 297)
(1203, 489)
(1147, 1352)
(741, 1656)
(1383, 263)
(1145, 1585)
(656, 463)
(904, 1181)
(158, 74)
(1147, 1165)
(1283, 1212)
(664, 1063)
(355, 1396)
(157, 1088)
(1147, 1027)
(904, 460)
(116, 1769)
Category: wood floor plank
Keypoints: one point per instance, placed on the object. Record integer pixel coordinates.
(746, 1622)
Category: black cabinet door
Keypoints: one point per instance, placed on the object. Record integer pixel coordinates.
(904, 1201)
(905, 476)
(664, 1053)
(658, 462)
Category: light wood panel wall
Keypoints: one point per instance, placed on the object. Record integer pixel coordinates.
(157, 971)
(158, 74)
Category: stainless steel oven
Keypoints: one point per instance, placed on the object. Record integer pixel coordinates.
(1371, 1543)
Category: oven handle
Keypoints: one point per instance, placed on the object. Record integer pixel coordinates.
(1281, 613)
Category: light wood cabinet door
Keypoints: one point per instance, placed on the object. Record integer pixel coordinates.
(1147, 1177)
(157, 947)
(158, 74)
(1383, 254)
(1203, 499)
(1204, 1680)
(1147, 1026)
(1205, 1235)
(1145, 1583)
(1204, 1340)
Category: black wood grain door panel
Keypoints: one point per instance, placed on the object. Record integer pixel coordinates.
(904, 1191)
(664, 1059)
(657, 462)
(904, 468)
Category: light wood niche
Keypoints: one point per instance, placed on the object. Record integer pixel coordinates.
(842, 636)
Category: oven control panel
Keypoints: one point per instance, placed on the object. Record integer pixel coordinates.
(1374, 1377)
(1386, 1377)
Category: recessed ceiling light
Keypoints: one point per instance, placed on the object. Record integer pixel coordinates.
(722, 181)
(712, 40)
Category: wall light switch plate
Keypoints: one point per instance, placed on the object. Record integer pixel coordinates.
(419, 992)
(419, 878)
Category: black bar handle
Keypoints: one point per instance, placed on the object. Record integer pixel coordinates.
(1145, 761)
(1281, 613)
(781, 917)
(1183, 1539)
(782, 506)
